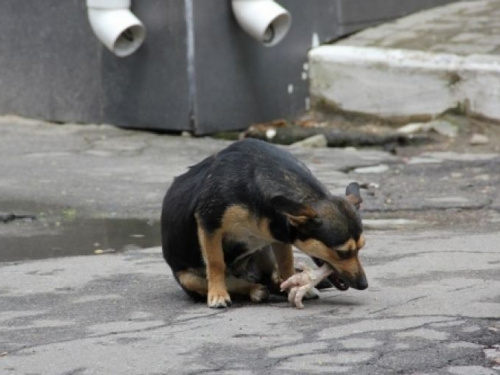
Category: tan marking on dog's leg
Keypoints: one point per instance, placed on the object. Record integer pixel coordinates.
(284, 258)
(211, 247)
(193, 282)
(199, 284)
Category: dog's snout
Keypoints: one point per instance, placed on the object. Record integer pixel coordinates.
(361, 283)
(358, 281)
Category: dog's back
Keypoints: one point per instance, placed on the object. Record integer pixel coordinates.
(248, 172)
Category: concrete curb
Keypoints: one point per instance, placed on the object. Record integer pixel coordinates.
(404, 83)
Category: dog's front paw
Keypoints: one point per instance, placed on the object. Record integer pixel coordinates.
(218, 300)
(276, 281)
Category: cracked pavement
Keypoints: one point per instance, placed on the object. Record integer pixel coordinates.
(432, 260)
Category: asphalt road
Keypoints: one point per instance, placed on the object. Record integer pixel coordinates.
(432, 259)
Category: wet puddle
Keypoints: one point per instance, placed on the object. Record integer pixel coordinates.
(50, 236)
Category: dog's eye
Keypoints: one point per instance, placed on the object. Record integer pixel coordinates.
(344, 254)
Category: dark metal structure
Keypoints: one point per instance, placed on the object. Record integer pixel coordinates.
(197, 70)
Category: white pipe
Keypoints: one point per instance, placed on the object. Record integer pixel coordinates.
(264, 20)
(116, 26)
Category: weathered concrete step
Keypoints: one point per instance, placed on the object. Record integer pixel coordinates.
(420, 65)
(393, 83)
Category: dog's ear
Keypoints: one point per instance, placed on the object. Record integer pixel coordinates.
(297, 213)
(353, 195)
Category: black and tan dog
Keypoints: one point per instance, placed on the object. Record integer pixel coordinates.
(221, 219)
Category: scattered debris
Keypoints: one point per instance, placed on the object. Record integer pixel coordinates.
(279, 123)
(387, 224)
(311, 123)
(442, 127)
(423, 160)
(288, 135)
(381, 168)
(316, 141)
(270, 134)
(478, 140)
(414, 127)
(370, 185)
(7, 217)
(101, 251)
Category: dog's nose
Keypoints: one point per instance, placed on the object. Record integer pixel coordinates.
(361, 283)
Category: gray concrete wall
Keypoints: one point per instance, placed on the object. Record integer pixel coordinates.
(52, 66)
(238, 81)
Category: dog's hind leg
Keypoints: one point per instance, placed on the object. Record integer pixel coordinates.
(196, 284)
(242, 287)
(193, 282)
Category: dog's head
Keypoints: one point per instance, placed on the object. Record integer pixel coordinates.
(330, 231)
